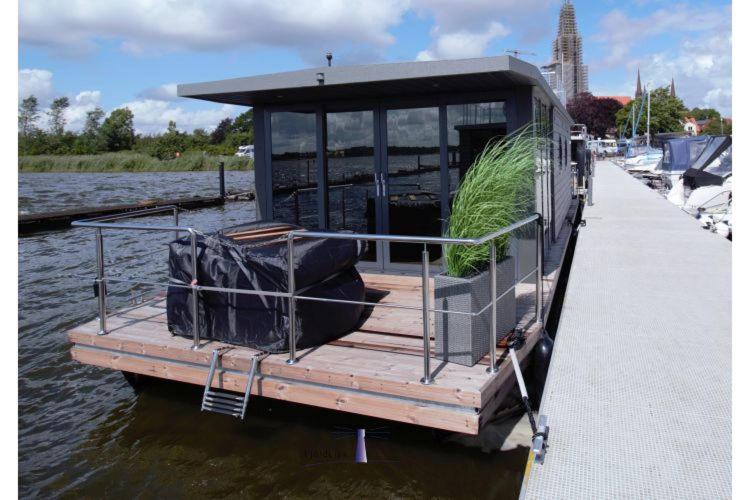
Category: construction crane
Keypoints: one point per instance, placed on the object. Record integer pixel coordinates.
(517, 52)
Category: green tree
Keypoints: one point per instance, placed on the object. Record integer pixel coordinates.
(90, 140)
(705, 114)
(243, 122)
(667, 113)
(56, 114)
(28, 114)
(167, 145)
(714, 127)
(93, 121)
(117, 130)
(199, 139)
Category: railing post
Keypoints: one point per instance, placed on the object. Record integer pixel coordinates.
(539, 268)
(101, 284)
(222, 191)
(292, 304)
(493, 297)
(175, 212)
(427, 379)
(194, 290)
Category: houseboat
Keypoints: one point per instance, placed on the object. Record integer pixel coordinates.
(375, 154)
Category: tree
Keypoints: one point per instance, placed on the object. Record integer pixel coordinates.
(28, 114)
(56, 114)
(221, 131)
(667, 113)
(243, 122)
(117, 130)
(597, 113)
(705, 114)
(93, 122)
(714, 127)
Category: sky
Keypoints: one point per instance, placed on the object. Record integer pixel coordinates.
(118, 53)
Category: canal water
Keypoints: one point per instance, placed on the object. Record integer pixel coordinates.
(84, 432)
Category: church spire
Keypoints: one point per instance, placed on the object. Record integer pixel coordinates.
(672, 93)
(638, 90)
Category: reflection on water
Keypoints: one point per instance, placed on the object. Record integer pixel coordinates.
(83, 432)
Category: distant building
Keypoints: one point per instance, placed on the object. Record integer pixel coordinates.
(691, 126)
(566, 73)
(622, 99)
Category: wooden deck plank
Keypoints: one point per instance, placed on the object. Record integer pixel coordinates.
(373, 371)
(372, 405)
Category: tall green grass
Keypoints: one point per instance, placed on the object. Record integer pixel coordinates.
(129, 161)
(497, 191)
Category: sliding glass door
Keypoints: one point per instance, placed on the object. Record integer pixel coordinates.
(412, 180)
(352, 175)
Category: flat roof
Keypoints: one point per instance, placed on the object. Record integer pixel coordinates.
(370, 81)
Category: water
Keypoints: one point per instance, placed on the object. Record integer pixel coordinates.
(84, 432)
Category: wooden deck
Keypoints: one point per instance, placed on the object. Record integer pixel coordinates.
(373, 371)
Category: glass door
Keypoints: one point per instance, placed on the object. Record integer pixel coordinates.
(412, 203)
(353, 188)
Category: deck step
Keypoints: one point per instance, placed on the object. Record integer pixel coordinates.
(220, 401)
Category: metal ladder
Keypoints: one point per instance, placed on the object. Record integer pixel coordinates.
(221, 401)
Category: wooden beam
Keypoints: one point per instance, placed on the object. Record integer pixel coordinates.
(397, 409)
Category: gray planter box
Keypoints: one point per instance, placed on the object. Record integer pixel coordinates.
(464, 339)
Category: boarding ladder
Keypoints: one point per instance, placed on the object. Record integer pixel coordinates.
(222, 401)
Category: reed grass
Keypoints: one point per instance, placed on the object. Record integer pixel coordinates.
(497, 190)
(129, 161)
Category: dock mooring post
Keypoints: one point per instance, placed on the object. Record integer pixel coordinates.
(222, 191)
(101, 283)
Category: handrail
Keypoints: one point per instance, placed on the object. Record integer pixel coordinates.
(429, 240)
(293, 295)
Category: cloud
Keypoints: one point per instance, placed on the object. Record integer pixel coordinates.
(165, 92)
(75, 27)
(620, 33)
(152, 111)
(463, 43)
(36, 82)
(701, 67)
(467, 30)
(152, 116)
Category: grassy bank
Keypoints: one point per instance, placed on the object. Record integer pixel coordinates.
(125, 161)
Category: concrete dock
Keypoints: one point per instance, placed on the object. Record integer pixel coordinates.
(638, 394)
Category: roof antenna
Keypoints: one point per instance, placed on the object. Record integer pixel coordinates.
(329, 56)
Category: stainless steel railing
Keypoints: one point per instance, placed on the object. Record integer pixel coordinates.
(293, 295)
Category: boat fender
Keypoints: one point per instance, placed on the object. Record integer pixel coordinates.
(542, 356)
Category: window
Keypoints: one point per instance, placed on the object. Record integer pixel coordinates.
(470, 128)
(293, 168)
(351, 171)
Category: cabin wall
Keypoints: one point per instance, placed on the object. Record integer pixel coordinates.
(562, 188)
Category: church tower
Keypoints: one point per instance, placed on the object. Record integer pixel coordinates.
(567, 52)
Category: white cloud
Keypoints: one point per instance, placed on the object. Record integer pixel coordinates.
(620, 33)
(165, 92)
(152, 116)
(467, 29)
(701, 67)
(81, 104)
(144, 26)
(460, 44)
(36, 82)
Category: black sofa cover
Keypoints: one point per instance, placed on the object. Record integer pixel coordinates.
(323, 268)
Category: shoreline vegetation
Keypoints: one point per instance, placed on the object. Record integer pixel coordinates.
(129, 161)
